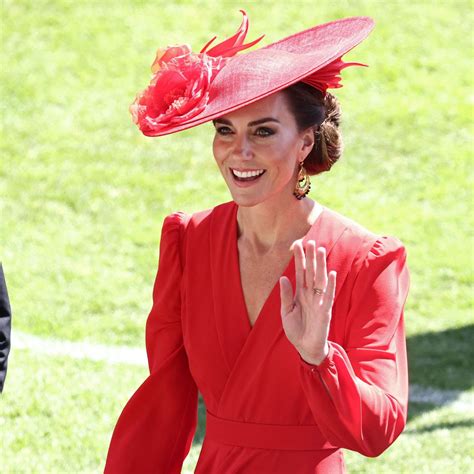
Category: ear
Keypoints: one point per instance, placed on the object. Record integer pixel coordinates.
(307, 142)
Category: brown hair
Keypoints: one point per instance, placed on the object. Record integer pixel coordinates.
(312, 108)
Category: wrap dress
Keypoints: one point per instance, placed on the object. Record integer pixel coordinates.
(267, 410)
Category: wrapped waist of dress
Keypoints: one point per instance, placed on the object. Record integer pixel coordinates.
(263, 436)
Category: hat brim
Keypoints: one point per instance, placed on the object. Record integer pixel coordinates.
(252, 76)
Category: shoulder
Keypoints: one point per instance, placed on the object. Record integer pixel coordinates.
(386, 251)
(198, 218)
(371, 245)
(349, 225)
(198, 222)
(193, 232)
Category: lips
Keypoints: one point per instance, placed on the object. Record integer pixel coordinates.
(248, 177)
(247, 173)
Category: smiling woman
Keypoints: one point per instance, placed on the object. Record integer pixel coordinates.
(292, 367)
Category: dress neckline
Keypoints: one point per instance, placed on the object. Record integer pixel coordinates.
(289, 269)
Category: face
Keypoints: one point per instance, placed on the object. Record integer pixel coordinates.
(258, 149)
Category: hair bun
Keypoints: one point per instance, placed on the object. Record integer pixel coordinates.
(313, 108)
(329, 145)
(333, 109)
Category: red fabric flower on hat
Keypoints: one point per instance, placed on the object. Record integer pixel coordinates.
(179, 88)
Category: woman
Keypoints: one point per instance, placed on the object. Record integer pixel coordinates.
(284, 314)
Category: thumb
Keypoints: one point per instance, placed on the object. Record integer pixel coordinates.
(286, 295)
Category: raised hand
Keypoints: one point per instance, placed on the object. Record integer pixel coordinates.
(306, 315)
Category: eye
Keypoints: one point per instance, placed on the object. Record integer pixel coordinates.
(264, 132)
(223, 130)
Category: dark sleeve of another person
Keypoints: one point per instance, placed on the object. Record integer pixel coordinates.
(5, 328)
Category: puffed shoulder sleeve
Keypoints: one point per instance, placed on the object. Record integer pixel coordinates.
(156, 427)
(359, 393)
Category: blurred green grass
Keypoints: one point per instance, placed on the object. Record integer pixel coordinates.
(83, 194)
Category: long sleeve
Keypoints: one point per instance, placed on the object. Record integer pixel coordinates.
(156, 427)
(359, 393)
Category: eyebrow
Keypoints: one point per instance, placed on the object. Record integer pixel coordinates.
(250, 124)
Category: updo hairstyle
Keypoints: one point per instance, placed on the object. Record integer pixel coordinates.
(311, 108)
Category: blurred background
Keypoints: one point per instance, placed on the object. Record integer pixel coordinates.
(83, 195)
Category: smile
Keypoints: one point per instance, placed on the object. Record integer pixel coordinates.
(247, 173)
(247, 177)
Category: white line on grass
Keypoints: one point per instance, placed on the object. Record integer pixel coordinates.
(457, 399)
(80, 350)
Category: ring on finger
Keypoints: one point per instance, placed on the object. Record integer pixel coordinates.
(318, 291)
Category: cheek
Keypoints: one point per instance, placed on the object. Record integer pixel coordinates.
(282, 150)
(218, 150)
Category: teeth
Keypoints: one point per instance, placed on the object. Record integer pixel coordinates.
(247, 174)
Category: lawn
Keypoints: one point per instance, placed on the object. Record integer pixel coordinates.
(83, 196)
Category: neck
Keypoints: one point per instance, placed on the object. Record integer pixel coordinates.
(270, 225)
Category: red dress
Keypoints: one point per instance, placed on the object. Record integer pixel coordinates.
(268, 411)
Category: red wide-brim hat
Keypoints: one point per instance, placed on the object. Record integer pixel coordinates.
(188, 89)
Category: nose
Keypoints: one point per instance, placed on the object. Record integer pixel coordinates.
(242, 146)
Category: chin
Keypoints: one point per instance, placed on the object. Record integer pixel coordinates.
(246, 201)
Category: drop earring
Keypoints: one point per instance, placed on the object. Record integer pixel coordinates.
(303, 183)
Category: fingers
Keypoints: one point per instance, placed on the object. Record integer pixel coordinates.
(328, 296)
(321, 278)
(305, 264)
(310, 267)
(310, 263)
(300, 265)
(286, 295)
